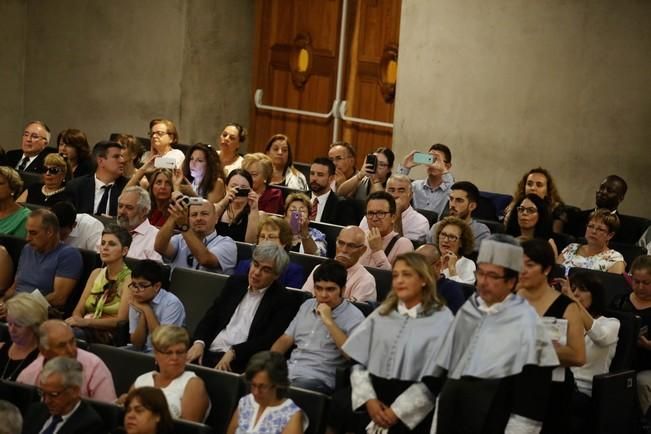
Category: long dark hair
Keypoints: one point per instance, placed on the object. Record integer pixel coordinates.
(543, 228)
(587, 281)
(214, 168)
(153, 400)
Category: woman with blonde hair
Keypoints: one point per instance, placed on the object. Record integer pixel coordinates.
(455, 240)
(25, 314)
(13, 217)
(284, 173)
(52, 189)
(260, 167)
(304, 238)
(389, 345)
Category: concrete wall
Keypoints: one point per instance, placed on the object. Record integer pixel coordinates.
(565, 84)
(109, 67)
(12, 60)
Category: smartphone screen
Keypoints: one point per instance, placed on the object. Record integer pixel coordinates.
(423, 158)
(371, 160)
(294, 222)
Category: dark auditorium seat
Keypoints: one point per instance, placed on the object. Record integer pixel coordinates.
(304, 168)
(20, 395)
(90, 260)
(614, 284)
(629, 330)
(125, 365)
(383, 282)
(614, 403)
(315, 405)
(111, 414)
(431, 216)
(14, 246)
(500, 201)
(187, 427)
(331, 232)
(244, 250)
(494, 226)
(30, 178)
(4, 332)
(628, 251)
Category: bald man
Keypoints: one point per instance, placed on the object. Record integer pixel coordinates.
(360, 284)
(450, 290)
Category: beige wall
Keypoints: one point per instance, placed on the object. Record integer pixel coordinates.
(112, 66)
(513, 85)
(12, 58)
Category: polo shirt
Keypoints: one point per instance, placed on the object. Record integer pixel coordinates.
(222, 247)
(38, 270)
(168, 310)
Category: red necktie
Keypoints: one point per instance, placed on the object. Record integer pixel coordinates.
(315, 208)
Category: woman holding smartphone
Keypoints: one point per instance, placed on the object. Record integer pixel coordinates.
(305, 239)
(371, 177)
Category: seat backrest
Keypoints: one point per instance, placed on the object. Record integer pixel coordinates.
(4, 332)
(499, 200)
(383, 282)
(308, 262)
(315, 405)
(111, 414)
(30, 178)
(187, 427)
(224, 389)
(614, 403)
(125, 365)
(629, 251)
(304, 168)
(90, 260)
(629, 330)
(197, 290)
(494, 226)
(431, 216)
(614, 284)
(244, 250)
(331, 232)
(631, 228)
(20, 395)
(14, 246)
(485, 210)
(562, 240)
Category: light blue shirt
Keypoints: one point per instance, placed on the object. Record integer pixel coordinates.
(168, 310)
(223, 248)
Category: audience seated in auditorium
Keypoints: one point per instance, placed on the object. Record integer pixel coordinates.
(146, 412)
(12, 419)
(318, 330)
(450, 290)
(464, 197)
(56, 339)
(342, 155)
(13, 217)
(595, 254)
(456, 242)
(383, 242)
(370, 178)
(305, 239)
(639, 303)
(56, 172)
(249, 316)
(326, 205)
(432, 192)
(531, 219)
(82, 231)
(274, 229)
(33, 149)
(134, 205)
(539, 181)
(25, 314)
(184, 391)
(132, 151)
(198, 245)
(496, 357)
(237, 213)
(62, 410)
(267, 408)
(260, 168)
(150, 305)
(105, 299)
(163, 136)
(360, 284)
(279, 150)
(46, 263)
(98, 193)
(73, 145)
(533, 285)
(232, 136)
(204, 174)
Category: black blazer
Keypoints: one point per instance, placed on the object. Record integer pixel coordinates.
(276, 310)
(629, 230)
(84, 420)
(82, 190)
(13, 157)
(342, 212)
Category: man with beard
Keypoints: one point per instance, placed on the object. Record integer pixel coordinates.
(360, 284)
(463, 200)
(134, 205)
(326, 206)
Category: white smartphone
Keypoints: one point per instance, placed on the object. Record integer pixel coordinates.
(423, 158)
(165, 163)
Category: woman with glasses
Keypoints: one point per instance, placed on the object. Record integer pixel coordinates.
(13, 217)
(266, 409)
(304, 238)
(370, 178)
(595, 253)
(204, 172)
(284, 173)
(146, 412)
(186, 393)
(163, 135)
(455, 239)
(73, 145)
(53, 189)
(533, 220)
(232, 136)
(105, 300)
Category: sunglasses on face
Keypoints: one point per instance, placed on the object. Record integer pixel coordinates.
(53, 170)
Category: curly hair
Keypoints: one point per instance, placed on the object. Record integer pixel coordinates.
(214, 168)
(553, 199)
(467, 237)
(298, 197)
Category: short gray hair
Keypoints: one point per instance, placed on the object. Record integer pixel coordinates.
(43, 338)
(27, 311)
(401, 178)
(12, 420)
(144, 201)
(272, 252)
(70, 370)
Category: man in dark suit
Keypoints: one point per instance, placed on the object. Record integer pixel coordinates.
(249, 316)
(451, 291)
(98, 193)
(33, 149)
(327, 207)
(61, 409)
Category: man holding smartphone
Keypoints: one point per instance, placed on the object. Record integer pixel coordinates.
(371, 178)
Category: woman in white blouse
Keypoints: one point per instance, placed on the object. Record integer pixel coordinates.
(163, 136)
(455, 239)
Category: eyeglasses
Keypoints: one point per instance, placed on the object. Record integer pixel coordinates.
(448, 237)
(377, 214)
(527, 210)
(490, 276)
(32, 136)
(341, 244)
(597, 228)
(158, 133)
(53, 170)
(139, 287)
(51, 395)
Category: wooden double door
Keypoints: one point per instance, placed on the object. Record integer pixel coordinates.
(297, 50)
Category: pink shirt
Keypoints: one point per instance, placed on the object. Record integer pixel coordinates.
(379, 259)
(360, 284)
(98, 382)
(142, 244)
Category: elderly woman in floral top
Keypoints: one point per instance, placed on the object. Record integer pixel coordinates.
(306, 239)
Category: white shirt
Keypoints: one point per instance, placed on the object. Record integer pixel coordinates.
(86, 234)
(64, 418)
(237, 164)
(322, 201)
(29, 160)
(465, 271)
(177, 154)
(237, 330)
(99, 192)
(142, 243)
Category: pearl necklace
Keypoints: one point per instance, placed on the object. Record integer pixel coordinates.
(51, 193)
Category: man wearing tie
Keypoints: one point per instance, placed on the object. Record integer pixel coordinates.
(98, 193)
(33, 149)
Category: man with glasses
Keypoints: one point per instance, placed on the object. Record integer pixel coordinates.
(360, 284)
(496, 357)
(98, 193)
(33, 149)
(383, 242)
(58, 340)
(342, 154)
(198, 245)
(61, 409)
(150, 305)
(249, 316)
